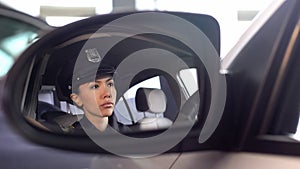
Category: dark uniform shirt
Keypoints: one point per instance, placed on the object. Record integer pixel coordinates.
(85, 124)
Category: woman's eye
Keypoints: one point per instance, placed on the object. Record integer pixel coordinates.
(110, 84)
(95, 86)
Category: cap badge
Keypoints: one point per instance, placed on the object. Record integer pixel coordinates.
(93, 55)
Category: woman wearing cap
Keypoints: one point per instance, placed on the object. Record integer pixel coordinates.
(96, 96)
(97, 100)
(88, 82)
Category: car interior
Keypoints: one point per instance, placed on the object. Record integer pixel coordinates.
(151, 100)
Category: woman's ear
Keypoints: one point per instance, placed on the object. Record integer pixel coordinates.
(76, 99)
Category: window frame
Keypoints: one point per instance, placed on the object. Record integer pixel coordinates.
(257, 137)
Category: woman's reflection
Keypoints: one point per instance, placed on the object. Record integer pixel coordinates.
(96, 96)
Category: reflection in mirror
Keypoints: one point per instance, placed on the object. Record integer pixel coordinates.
(187, 79)
(152, 101)
(148, 105)
(126, 110)
(52, 110)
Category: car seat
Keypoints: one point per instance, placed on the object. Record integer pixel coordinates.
(152, 101)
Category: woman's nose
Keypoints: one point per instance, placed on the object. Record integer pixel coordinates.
(106, 92)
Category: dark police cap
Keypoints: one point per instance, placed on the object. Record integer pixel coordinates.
(81, 64)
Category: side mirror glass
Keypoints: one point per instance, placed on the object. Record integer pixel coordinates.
(131, 75)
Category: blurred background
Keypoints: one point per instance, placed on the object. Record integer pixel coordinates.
(234, 16)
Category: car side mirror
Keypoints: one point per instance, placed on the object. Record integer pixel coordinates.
(174, 55)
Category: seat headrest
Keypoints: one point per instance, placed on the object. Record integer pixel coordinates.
(150, 100)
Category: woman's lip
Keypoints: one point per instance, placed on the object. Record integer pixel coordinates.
(107, 105)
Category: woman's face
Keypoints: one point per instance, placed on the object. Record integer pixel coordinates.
(97, 98)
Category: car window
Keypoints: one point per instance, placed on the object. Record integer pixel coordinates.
(187, 78)
(14, 39)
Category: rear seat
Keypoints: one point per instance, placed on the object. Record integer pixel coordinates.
(52, 111)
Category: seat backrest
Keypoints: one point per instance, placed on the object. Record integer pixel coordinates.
(50, 114)
(152, 101)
